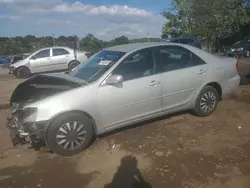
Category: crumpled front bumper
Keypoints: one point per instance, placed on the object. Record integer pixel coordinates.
(11, 70)
(26, 133)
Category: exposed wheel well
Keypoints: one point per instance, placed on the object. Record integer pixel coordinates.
(15, 70)
(217, 87)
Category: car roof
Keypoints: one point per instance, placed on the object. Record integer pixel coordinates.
(53, 47)
(136, 46)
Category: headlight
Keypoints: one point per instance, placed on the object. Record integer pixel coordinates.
(28, 114)
(232, 49)
(240, 49)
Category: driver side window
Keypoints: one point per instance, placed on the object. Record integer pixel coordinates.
(42, 54)
(138, 64)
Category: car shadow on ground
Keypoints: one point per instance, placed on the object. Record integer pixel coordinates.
(60, 172)
(44, 172)
(128, 175)
(160, 118)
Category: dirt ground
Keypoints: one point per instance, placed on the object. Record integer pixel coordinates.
(178, 151)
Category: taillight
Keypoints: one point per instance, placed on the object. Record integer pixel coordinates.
(237, 65)
(86, 54)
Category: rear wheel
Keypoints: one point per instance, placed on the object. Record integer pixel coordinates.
(73, 64)
(206, 102)
(70, 133)
(23, 72)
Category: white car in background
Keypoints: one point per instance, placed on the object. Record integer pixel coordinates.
(48, 60)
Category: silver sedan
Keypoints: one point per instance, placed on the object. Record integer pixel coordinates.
(116, 87)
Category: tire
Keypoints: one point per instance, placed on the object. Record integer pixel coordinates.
(200, 104)
(23, 72)
(73, 64)
(63, 131)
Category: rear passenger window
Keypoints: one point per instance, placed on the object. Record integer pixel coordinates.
(59, 51)
(170, 58)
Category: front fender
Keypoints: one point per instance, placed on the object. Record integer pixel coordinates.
(97, 129)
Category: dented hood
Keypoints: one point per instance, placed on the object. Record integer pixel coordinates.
(44, 85)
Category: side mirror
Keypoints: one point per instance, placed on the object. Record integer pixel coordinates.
(114, 79)
(33, 58)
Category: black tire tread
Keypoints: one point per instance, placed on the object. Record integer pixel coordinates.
(60, 120)
(18, 72)
(196, 110)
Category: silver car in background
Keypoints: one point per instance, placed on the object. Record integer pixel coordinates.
(48, 60)
(116, 87)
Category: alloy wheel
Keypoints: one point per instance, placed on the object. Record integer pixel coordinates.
(71, 135)
(208, 102)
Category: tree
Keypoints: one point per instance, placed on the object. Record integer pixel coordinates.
(90, 43)
(30, 43)
(121, 40)
(173, 26)
(212, 20)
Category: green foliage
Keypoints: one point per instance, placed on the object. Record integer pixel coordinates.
(30, 43)
(212, 20)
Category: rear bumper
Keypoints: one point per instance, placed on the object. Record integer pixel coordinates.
(230, 85)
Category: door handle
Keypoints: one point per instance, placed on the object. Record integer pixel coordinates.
(202, 71)
(154, 82)
(48, 58)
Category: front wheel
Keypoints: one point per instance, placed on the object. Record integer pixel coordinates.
(70, 133)
(22, 72)
(206, 102)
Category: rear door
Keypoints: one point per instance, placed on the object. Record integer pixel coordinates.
(41, 61)
(60, 58)
(182, 73)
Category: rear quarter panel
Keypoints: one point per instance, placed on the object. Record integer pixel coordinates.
(81, 57)
(222, 70)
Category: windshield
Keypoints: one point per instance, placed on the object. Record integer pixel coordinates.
(96, 65)
(240, 43)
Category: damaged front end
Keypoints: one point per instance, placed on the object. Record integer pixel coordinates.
(23, 130)
(22, 123)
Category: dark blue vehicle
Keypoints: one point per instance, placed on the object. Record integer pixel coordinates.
(4, 62)
(240, 48)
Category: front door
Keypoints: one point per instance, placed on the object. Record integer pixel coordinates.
(138, 97)
(41, 61)
(182, 74)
